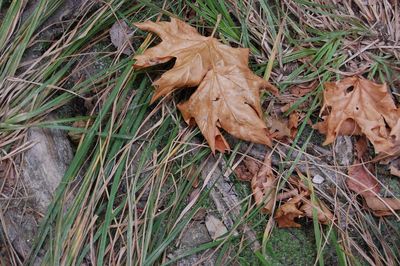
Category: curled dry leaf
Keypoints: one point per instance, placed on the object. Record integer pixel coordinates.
(382, 206)
(359, 106)
(228, 92)
(324, 215)
(361, 180)
(300, 206)
(263, 185)
(293, 123)
(302, 89)
(246, 170)
(289, 211)
(279, 128)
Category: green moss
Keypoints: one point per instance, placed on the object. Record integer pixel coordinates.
(292, 247)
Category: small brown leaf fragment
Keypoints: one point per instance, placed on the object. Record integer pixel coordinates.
(301, 89)
(264, 186)
(287, 194)
(362, 181)
(382, 206)
(361, 147)
(228, 93)
(324, 215)
(359, 105)
(247, 169)
(279, 128)
(289, 211)
(293, 123)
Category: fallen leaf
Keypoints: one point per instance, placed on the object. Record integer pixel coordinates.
(278, 128)
(287, 194)
(324, 215)
(360, 106)
(120, 36)
(347, 128)
(215, 227)
(247, 169)
(302, 89)
(362, 181)
(361, 147)
(227, 96)
(382, 206)
(264, 187)
(293, 123)
(289, 211)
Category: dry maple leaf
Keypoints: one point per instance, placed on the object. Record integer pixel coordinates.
(264, 187)
(228, 92)
(360, 106)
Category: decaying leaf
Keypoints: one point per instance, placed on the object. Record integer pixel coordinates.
(382, 206)
(395, 167)
(279, 128)
(263, 185)
(298, 204)
(360, 106)
(246, 170)
(289, 211)
(361, 180)
(293, 123)
(301, 206)
(302, 89)
(228, 92)
(324, 215)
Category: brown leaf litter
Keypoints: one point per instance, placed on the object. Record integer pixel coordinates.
(298, 201)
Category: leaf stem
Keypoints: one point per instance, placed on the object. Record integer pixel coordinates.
(216, 24)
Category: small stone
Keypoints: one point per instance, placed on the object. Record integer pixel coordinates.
(317, 179)
(215, 227)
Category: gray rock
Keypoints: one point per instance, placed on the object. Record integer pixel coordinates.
(45, 164)
(194, 235)
(42, 169)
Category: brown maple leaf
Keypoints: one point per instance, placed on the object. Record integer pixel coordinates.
(360, 106)
(228, 92)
